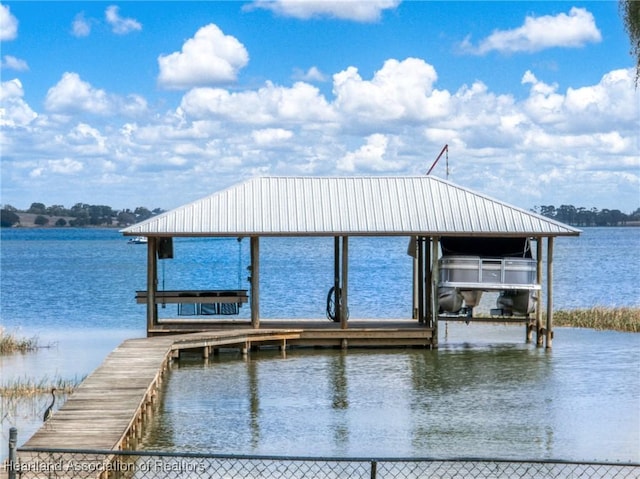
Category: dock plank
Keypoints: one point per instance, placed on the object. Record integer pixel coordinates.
(100, 412)
(103, 409)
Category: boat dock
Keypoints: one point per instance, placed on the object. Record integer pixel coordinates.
(461, 243)
(110, 407)
(319, 333)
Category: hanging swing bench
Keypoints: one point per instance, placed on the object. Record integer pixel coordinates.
(219, 302)
(200, 302)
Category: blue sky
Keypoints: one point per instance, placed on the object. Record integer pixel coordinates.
(157, 104)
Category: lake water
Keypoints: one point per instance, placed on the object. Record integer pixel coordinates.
(471, 398)
(483, 393)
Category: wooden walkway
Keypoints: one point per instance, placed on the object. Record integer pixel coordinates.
(110, 407)
(322, 333)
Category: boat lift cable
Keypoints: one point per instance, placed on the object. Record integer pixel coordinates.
(445, 151)
(240, 262)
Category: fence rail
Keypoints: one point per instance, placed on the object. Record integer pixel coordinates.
(32, 463)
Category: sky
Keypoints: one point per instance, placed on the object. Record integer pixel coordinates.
(157, 104)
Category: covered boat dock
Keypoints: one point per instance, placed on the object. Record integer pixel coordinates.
(462, 243)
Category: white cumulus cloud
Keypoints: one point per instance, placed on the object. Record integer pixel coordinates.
(371, 157)
(549, 144)
(14, 111)
(87, 140)
(313, 74)
(10, 62)
(588, 109)
(80, 27)
(210, 57)
(355, 10)
(270, 136)
(72, 94)
(132, 105)
(8, 24)
(572, 30)
(65, 166)
(400, 90)
(120, 25)
(269, 104)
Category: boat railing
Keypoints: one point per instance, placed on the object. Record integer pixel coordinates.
(475, 272)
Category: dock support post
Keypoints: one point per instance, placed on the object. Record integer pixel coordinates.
(336, 280)
(421, 279)
(255, 283)
(433, 287)
(428, 274)
(412, 250)
(344, 290)
(549, 329)
(340, 280)
(539, 336)
(152, 283)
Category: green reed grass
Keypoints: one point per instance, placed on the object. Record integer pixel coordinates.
(11, 344)
(29, 387)
(599, 317)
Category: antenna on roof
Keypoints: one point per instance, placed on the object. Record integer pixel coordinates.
(444, 150)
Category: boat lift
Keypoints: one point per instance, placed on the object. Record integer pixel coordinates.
(470, 266)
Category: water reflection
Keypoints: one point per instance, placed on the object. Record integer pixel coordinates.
(339, 399)
(481, 401)
(508, 400)
(254, 402)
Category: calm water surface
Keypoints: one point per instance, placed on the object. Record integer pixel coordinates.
(87, 278)
(483, 393)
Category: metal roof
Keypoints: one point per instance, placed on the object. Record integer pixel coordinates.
(348, 206)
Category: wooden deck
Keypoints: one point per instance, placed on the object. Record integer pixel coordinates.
(100, 413)
(110, 408)
(320, 333)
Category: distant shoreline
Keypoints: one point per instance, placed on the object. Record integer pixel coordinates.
(27, 220)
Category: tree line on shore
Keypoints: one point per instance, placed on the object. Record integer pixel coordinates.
(79, 215)
(581, 216)
(82, 214)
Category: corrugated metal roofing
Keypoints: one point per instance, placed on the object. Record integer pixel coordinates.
(327, 206)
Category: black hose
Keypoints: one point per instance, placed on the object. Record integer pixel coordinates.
(332, 305)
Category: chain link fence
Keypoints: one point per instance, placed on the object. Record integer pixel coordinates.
(75, 464)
